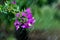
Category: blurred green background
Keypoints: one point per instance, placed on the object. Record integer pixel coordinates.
(46, 13)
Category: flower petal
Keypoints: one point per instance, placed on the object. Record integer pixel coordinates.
(24, 14)
(29, 16)
(32, 20)
(17, 27)
(28, 10)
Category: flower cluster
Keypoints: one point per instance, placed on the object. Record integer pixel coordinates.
(24, 19)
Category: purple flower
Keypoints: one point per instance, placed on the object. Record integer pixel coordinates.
(18, 15)
(14, 2)
(25, 25)
(31, 21)
(17, 24)
(24, 14)
(28, 10)
(29, 15)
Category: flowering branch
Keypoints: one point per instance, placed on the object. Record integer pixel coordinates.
(27, 19)
(22, 19)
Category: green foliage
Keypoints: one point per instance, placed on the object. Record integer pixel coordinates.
(46, 17)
